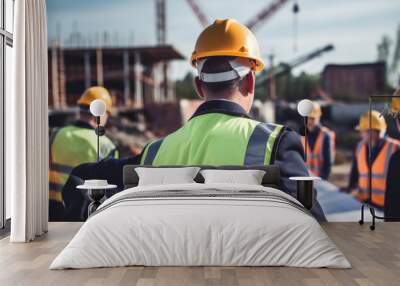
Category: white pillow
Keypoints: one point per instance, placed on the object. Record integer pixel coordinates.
(248, 177)
(166, 176)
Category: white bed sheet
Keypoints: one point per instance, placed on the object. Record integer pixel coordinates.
(190, 231)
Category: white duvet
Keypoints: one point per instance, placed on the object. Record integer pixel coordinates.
(143, 226)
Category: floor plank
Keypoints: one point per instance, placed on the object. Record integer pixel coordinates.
(375, 257)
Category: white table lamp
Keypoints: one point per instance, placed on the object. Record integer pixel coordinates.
(98, 108)
(304, 108)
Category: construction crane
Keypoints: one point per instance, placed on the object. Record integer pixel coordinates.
(254, 23)
(198, 12)
(284, 68)
(161, 30)
(265, 14)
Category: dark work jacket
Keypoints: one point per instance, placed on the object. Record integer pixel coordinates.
(288, 156)
(392, 195)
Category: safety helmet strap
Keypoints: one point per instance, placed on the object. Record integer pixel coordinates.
(240, 68)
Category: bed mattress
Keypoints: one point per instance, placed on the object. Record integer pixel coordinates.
(201, 225)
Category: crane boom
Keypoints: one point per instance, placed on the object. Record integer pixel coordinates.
(198, 12)
(265, 14)
(284, 68)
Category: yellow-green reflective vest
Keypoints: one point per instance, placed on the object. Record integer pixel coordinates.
(215, 139)
(70, 147)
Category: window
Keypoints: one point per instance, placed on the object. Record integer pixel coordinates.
(6, 44)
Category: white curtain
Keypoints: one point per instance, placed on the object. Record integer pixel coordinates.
(27, 124)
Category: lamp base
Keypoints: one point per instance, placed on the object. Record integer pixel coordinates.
(100, 130)
(305, 193)
(95, 196)
(305, 190)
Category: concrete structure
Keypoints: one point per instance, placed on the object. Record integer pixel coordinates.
(135, 76)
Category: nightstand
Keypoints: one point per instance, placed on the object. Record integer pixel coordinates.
(305, 190)
(96, 190)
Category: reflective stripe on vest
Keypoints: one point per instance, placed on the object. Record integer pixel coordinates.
(378, 173)
(315, 157)
(257, 150)
(151, 152)
(261, 143)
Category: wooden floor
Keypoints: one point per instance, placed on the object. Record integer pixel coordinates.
(375, 257)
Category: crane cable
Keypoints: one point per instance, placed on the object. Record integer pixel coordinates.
(295, 11)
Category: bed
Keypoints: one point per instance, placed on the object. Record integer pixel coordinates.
(199, 224)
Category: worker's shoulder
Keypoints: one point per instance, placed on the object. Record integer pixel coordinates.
(289, 133)
(328, 131)
(227, 124)
(288, 139)
(270, 130)
(75, 134)
(69, 128)
(220, 118)
(234, 121)
(64, 137)
(59, 132)
(230, 124)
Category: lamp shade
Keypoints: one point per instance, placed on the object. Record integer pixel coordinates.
(305, 107)
(98, 107)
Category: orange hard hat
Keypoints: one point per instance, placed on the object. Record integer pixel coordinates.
(96, 92)
(227, 38)
(316, 111)
(377, 121)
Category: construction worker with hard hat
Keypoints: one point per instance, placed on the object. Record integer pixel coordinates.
(394, 117)
(321, 149)
(73, 145)
(395, 105)
(221, 132)
(392, 195)
(382, 150)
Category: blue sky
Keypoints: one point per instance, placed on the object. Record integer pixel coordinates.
(354, 27)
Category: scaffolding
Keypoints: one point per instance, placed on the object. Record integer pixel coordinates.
(135, 76)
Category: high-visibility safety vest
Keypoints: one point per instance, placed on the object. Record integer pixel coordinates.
(315, 156)
(215, 139)
(69, 147)
(379, 172)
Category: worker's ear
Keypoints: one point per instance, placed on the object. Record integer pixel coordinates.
(197, 87)
(250, 82)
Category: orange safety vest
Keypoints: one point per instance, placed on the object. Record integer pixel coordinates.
(378, 172)
(315, 157)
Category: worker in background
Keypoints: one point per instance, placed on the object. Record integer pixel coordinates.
(220, 132)
(394, 116)
(392, 196)
(73, 145)
(382, 150)
(321, 149)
